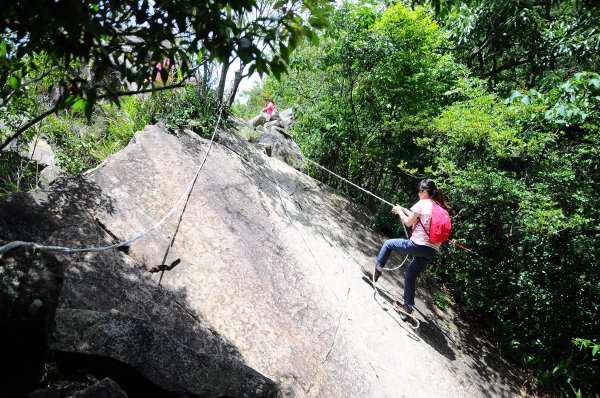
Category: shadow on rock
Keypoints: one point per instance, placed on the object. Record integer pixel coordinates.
(431, 333)
(110, 282)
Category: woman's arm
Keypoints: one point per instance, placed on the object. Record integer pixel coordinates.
(408, 217)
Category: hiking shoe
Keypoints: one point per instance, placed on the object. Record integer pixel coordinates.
(403, 310)
(368, 271)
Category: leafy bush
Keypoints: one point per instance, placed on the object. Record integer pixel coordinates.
(522, 178)
(72, 140)
(81, 144)
(441, 300)
(16, 173)
(188, 107)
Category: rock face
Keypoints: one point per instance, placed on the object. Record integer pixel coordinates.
(113, 281)
(258, 272)
(274, 139)
(258, 120)
(160, 359)
(287, 117)
(283, 147)
(30, 285)
(42, 153)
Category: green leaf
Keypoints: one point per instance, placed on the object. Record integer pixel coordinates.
(15, 83)
(317, 22)
(78, 105)
(314, 38)
(514, 95)
(284, 52)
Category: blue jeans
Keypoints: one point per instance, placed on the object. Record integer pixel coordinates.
(421, 254)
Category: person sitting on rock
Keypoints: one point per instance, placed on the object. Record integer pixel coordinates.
(269, 107)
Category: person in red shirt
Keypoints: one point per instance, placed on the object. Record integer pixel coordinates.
(269, 107)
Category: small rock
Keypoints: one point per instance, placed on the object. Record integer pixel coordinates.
(35, 306)
(105, 388)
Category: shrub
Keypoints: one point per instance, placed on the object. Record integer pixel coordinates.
(16, 173)
(188, 107)
(523, 184)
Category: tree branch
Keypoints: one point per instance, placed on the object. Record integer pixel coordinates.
(145, 91)
(5, 101)
(59, 105)
(485, 43)
(23, 128)
(506, 66)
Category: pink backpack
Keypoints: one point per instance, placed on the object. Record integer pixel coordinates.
(441, 226)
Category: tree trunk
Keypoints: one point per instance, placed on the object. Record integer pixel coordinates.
(237, 79)
(205, 77)
(222, 79)
(494, 73)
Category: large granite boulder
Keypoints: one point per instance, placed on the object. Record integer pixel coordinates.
(242, 264)
(274, 139)
(258, 120)
(105, 282)
(258, 266)
(282, 145)
(287, 117)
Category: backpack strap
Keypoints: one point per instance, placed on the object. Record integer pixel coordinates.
(423, 226)
(435, 203)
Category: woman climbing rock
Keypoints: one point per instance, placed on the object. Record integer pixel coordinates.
(418, 246)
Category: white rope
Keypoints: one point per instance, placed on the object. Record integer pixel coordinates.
(351, 183)
(339, 300)
(375, 284)
(37, 246)
(377, 295)
(356, 186)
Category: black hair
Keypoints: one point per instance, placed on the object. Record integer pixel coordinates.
(434, 192)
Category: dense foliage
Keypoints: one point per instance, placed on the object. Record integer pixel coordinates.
(384, 100)
(107, 48)
(517, 44)
(524, 182)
